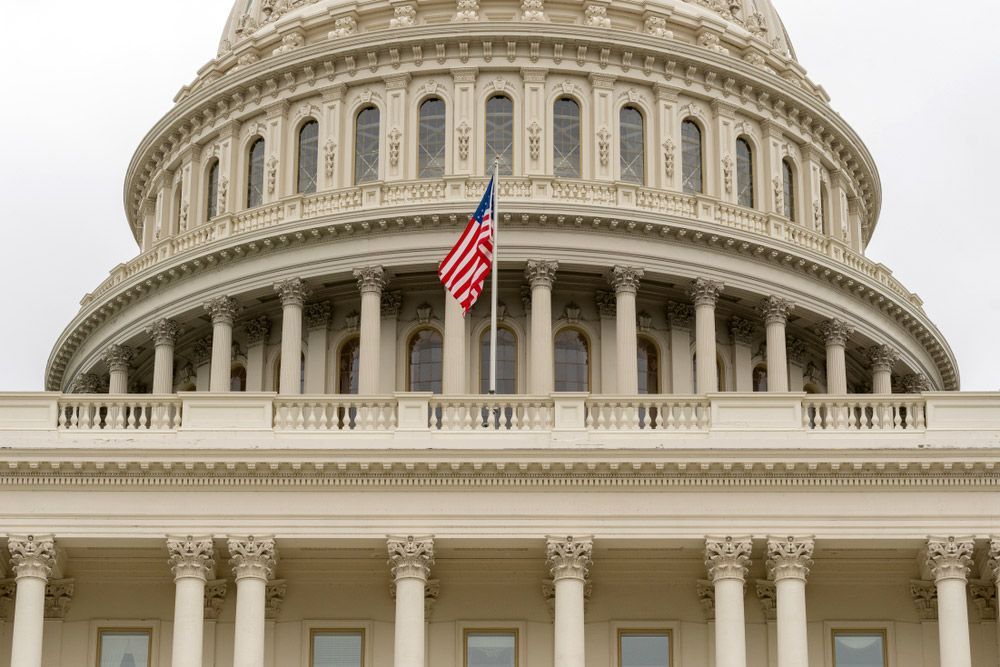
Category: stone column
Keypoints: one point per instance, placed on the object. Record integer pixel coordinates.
(371, 281)
(453, 381)
(569, 561)
(679, 318)
(253, 561)
(32, 558)
(293, 293)
(727, 560)
(223, 310)
(625, 280)
(789, 560)
(775, 312)
(192, 564)
(607, 310)
(411, 559)
(949, 559)
(164, 334)
(835, 334)
(258, 331)
(317, 318)
(705, 295)
(741, 332)
(541, 274)
(882, 358)
(994, 566)
(118, 358)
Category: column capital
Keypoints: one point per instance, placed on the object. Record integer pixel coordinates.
(607, 304)
(742, 330)
(775, 310)
(32, 555)
(727, 557)
(882, 357)
(410, 557)
(164, 332)
(679, 315)
(994, 557)
(569, 557)
(915, 383)
(118, 357)
(318, 315)
(392, 302)
(292, 292)
(371, 279)
(258, 330)
(58, 597)
(223, 309)
(789, 557)
(625, 279)
(215, 598)
(796, 348)
(86, 383)
(253, 557)
(835, 332)
(202, 351)
(949, 557)
(541, 272)
(705, 292)
(191, 557)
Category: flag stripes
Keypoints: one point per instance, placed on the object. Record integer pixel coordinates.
(465, 268)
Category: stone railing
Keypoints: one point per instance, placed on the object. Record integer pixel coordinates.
(77, 412)
(864, 413)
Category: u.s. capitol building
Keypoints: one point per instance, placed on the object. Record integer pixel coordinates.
(722, 435)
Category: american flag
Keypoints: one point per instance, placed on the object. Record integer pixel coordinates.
(464, 270)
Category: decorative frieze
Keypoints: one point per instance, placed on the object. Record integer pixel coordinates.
(251, 556)
(728, 557)
(705, 292)
(596, 16)
(404, 16)
(533, 10)
(164, 332)
(775, 310)
(569, 558)
(789, 557)
(466, 11)
(410, 557)
(950, 557)
(541, 272)
(292, 292)
(191, 557)
(223, 310)
(657, 27)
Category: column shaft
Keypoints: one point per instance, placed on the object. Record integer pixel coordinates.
(118, 382)
(953, 623)
(29, 621)
(777, 358)
(222, 356)
(291, 349)
(163, 369)
(881, 381)
(569, 623)
(189, 622)
(793, 646)
(409, 640)
(248, 647)
(371, 333)
(454, 371)
(542, 368)
(730, 625)
(706, 362)
(625, 337)
(836, 369)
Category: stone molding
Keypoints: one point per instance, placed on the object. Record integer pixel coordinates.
(625, 279)
(191, 557)
(118, 358)
(835, 332)
(541, 272)
(775, 310)
(705, 292)
(728, 557)
(164, 332)
(253, 557)
(789, 557)
(292, 292)
(223, 310)
(410, 557)
(950, 557)
(569, 557)
(371, 279)
(32, 555)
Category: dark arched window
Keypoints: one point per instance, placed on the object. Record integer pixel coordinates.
(506, 362)
(632, 150)
(255, 174)
(572, 361)
(178, 203)
(566, 138)
(366, 145)
(238, 378)
(760, 378)
(692, 166)
(212, 191)
(426, 359)
(649, 367)
(308, 157)
(347, 367)
(824, 209)
(500, 133)
(744, 173)
(431, 149)
(788, 188)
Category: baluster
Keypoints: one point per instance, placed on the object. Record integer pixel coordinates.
(61, 420)
(897, 420)
(467, 410)
(119, 416)
(132, 417)
(876, 419)
(514, 423)
(589, 419)
(602, 417)
(369, 418)
(920, 415)
(807, 423)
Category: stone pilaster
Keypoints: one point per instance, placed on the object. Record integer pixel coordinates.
(258, 333)
(741, 332)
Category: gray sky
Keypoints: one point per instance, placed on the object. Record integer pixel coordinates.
(917, 85)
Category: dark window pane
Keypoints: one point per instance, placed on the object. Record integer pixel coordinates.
(645, 650)
(490, 650)
(572, 359)
(566, 138)
(308, 157)
(691, 157)
(500, 133)
(124, 648)
(632, 149)
(255, 175)
(337, 649)
(506, 362)
(788, 181)
(347, 382)
(238, 379)
(649, 367)
(213, 191)
(431, 152)
(366, 146)
(744, 173)
(861, 649)
(426, 359)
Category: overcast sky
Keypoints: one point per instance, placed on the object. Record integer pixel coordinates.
(85, 81)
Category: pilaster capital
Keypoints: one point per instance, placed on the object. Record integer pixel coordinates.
(410, 557)
(775, 310)
(118, 358)
(292, 292)
(728, 557)
(164, 332)
(58, 597)
(32, 555)
(705, 292)
(202, 352)
(679, 315)
(741, 330)
(371, 279)
(223, 310)
(625, 279)
(882, 357)
(191, 557)
(994, 557)
(215, 598)
(541, 272)
(86, 383)
(949, 557)
(768, 598)
(835, 332)
(569, 557)
(318, 315)
(789, 557)
(924, 594)
(274, 598)
(253, 557)
(915, 383)
(607, 304)
(796, 349)
(392, 302)
(258, 330)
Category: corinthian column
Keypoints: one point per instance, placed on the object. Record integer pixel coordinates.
(164, 334)
(949, 559)
(569, 561)
(453, 380)
(411, 559)
(253, 560)
(835, 334)
(789, 560)
(371, 281)
(705, 295)
(32, 558)
(727, 560)
(625, 280)
(293, 293)
(192, 564)
(118, 358)
(541, 274)
(223, 310)
(775, 311)
(882, 358)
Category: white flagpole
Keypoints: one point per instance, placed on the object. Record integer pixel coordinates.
(495, 216)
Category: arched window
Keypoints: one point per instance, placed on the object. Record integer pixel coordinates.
(347, 366)
(255, 174)
(366, 145)
(500, 133)
(431, 149)
(572, 360)
(308, 157)
(744, 173)
(506, 362)
(788, 188)
(566, 138)
(633, 145)
(212, 189)
(760, 378)
(824, 209)
(426, 355)
(178, 203)
(238, 378)
(692, 167)
(649, 367)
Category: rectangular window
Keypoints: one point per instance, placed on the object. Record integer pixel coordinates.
(337, 648)
(491, 648)
(124, 647)
(860, 648)
(642, 648)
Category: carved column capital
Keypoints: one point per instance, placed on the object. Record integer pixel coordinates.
(223, 310)
(541, 272)
(569, 557)
(607, 304)
(994, 558)
(202, 352)
(252, 557)
(882, 357)
(789, 557)
(292, 292)
(392, 303)
(950, 557)
(915, 383)
(318, 315)
(625, 279)
(164, 332)
(835, 332)
(274, 598)
(32, 555)
(679, 315)
(58, 597)
(796, 348)
(215, 598)
(191, 557)
(742, 330)
(86, 383)
(118, 357)
(924, 594)
(371, 279)
(727, 557)
(410, 557)
(768, 598)
(775, 310)
(258, 330)
(705, 292)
